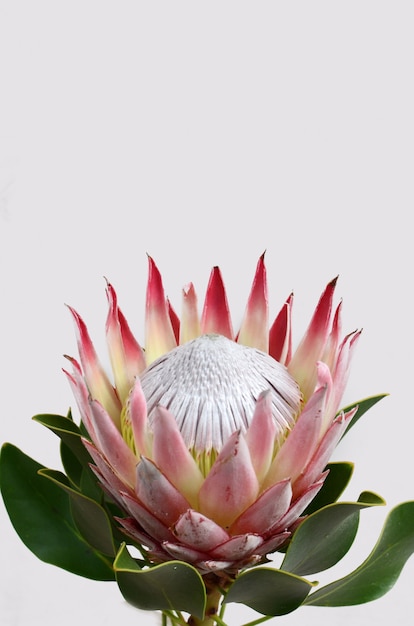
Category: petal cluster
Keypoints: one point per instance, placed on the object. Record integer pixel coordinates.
(231, 491)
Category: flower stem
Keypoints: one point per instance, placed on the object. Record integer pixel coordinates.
(211, 617)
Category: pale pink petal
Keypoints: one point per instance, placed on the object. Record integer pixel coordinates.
(110, 442)
(136, 410)
(199, 532)
(280, 334)
(265, 511)
(232, 485)
(132, 529)
(272, 544)
(300, 443)
(311, 348)
(208, 567)
(254, 328)
(238, 547)
(298, 506)
(324, 451)
(184, 553)
(110, 481)
(331, 348)
(159, 331)
(216, 314)
(81, 395)
(190, 321)
(157, 494)
(147, 519)
(341, 372)
(97, 381)
(126, 355)
(172, 457)
(260, 435)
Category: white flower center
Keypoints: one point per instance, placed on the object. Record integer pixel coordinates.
(211, 385)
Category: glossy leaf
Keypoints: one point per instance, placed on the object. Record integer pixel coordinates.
(269, 591)
(41, 515)
(325, 537)
(363, 407)
(69, 433)
(170, 586)
(72, 466)
(90, 518)
(333, 486)
(380, 570)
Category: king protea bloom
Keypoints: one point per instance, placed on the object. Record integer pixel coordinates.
(212, 442)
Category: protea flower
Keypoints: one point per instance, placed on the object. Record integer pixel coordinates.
(212, 442)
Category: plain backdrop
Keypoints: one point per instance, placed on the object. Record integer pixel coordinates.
(204, 133)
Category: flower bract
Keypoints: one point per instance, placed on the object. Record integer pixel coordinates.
(213, 442)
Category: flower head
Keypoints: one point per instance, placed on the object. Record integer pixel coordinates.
(213, 443)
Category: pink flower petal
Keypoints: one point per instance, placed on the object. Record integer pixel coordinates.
(298, 506)
(184, 553)
(238, 547)
(324, 451)
(81, 395)
(199, 532)
(260, 435)
(254, 328)
(127, 357)
(272, 544)
(175, 321)
(97, 381)
(280, 334)
(136, 409)
(216, 314)
(208, 567)
(110, 442)
(157, 494)
(265, 511)
(190, 322)
(132, 529)
(149, 522)
(331, 348)
(159, 331)
(341, 372)
(300, 443)
(232, 485)
(311, 348)
(172, 457)
(109, 480)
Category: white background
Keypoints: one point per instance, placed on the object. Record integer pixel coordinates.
(203, 133)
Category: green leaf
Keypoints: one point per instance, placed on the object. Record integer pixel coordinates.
(68, 432)
(325, 536)
(334, 484)
(90, 518)
(41, 515)
(269, 591)
(379, 572)
(73, 468)
(363, 406)
(170, 586)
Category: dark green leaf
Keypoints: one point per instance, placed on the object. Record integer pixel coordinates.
(41, 515)
(363, 406)
(68, 432)
(325, 537)
(90, 518)
(269, 591)
(73, 468)
(335, 483)
(380, 570)
(170, 586)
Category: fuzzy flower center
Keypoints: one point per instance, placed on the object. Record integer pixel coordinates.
(211, 385)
